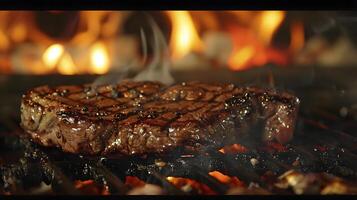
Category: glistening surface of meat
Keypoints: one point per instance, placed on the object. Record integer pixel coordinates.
(147, 117)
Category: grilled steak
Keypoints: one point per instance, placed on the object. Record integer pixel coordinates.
(148, 117)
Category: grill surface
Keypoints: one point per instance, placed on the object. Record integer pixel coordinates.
(324, 143)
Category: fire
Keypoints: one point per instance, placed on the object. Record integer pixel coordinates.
(98, 31)
(18, 32)
(184, 36)
(66, 65)
(52, 55)
(56, 57)
(270, 21)
(4, 41)
(99, 58)
(297, 37)
(251, 48)
(241, 57)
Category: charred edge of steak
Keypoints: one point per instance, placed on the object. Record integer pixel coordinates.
(147, 117)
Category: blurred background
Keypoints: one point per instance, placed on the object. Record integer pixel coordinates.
(96, 42)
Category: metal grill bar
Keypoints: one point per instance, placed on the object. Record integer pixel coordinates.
(232, 164)
(115, 184)
(60, 182)
(171, 189)
(236, 168)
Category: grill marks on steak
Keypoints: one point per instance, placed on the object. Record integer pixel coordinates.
(147, 117)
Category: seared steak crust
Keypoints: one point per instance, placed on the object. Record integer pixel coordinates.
(148, 117)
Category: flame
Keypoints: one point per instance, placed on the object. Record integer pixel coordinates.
(270, 21)
(251, 48)
(18, 32)
(99, 58)
(4, 41)
(56, 56)
(241, 57)
(297, 37)
(52, 55)
(66, 65)
(96, 29)
(184, 36)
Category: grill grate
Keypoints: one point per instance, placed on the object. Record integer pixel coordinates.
(323, 145)
(322, 150)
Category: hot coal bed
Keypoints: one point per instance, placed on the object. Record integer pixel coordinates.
(321, 158)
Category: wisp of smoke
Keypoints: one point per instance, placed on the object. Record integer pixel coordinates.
(342, 21)
(324, 26)
(157, 70)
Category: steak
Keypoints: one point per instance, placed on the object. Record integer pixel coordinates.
(133, 118)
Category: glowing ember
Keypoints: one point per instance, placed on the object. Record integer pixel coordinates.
(184, 36)
(99, 58)
(274, 146)
(52, 55)
(91, 188)
(231, 181)
(321, 148)
(187, 185)
(235, 148)
(134, 182)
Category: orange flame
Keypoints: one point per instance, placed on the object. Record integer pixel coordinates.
(297, 37)
(4, 41)
(241, 57)
(56, 56)
(270, 21)
(66, 65)
(252, 49)
(52, 55)
(18, 32)
(99, 58)
(184, 36)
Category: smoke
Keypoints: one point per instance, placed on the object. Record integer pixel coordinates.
(326, 25)
(342, 21)
(157, 70)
